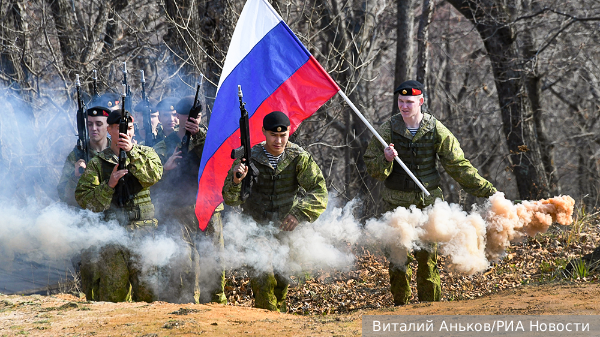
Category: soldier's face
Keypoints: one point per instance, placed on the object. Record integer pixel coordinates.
(168, 119)
(276, 141)
(154, 120)
(410, 106)
(97, 128)
(113, 130)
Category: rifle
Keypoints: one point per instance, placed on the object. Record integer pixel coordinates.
(243, 152)
(83, 141)
(127, 88)
(122, 190)
(150, 137)
(95, 85)
(194, 111)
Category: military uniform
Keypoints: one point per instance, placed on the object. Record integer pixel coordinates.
(419, 152)
(68, 180)
(273, 197)
(176, 195)
(111, 279)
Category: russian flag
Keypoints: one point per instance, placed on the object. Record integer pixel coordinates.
(276, 72)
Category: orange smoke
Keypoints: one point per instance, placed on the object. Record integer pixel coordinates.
(507, 222)
(470, 239)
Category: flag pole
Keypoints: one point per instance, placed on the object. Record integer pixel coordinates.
(376, 134)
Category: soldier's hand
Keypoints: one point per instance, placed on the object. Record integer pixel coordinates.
(289, 223)
(242, 169)
(115, 176)
(125, 142)
(193, 125)
(78, 164)
(390, 153)
(173, 161)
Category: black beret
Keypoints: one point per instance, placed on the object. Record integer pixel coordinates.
(98, 111)
(142, 105)
(108, 99)
(410, 88)
(167, 104)
(184, 105)
(276, 121)
(115, 118)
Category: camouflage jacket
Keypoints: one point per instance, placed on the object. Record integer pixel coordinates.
(167, 146)
(179, 186)
(448, 152)
(68, 181)
(298, 170)
(158, 137)
(92, 190)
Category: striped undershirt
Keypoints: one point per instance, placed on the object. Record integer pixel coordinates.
(413, 130)
(273, 160)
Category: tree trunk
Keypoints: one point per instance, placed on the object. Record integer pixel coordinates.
(423, 41)
(491, 20)
(216, 27)
(404, 45)
(61, 13)
(534, 90)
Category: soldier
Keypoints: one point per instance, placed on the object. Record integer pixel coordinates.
(97, 129)
(138, 116)
(107, 274)
(283, 168)
(109, 100)
(176, 195)
(420, 138)
(167, 116)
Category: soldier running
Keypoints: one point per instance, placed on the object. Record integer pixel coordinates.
(283, 168)
(418, 139)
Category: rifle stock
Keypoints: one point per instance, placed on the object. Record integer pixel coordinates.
(95, 85)
(123, 194)
(83, 141)
(150, 138)
(244, 151)
(194, 111)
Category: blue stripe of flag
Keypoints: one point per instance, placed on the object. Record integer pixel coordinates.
(258, 79)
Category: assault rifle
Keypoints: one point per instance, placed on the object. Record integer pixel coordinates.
(122, 190)
(243, 152)
(83, 141)
(95, 86)
(150, 137)
(127, 88)
(194, 112)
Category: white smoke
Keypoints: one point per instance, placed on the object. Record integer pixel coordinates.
(470, 239)
(324, 244)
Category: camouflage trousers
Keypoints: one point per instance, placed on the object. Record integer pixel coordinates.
(428, 276)
(112, 273)
(270, 291)
(202, 275)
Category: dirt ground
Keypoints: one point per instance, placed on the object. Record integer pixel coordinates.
(67, 315)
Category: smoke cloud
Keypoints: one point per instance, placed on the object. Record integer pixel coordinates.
(470, 240)
(39, 236)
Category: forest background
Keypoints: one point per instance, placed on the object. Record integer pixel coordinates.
(516, 81)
